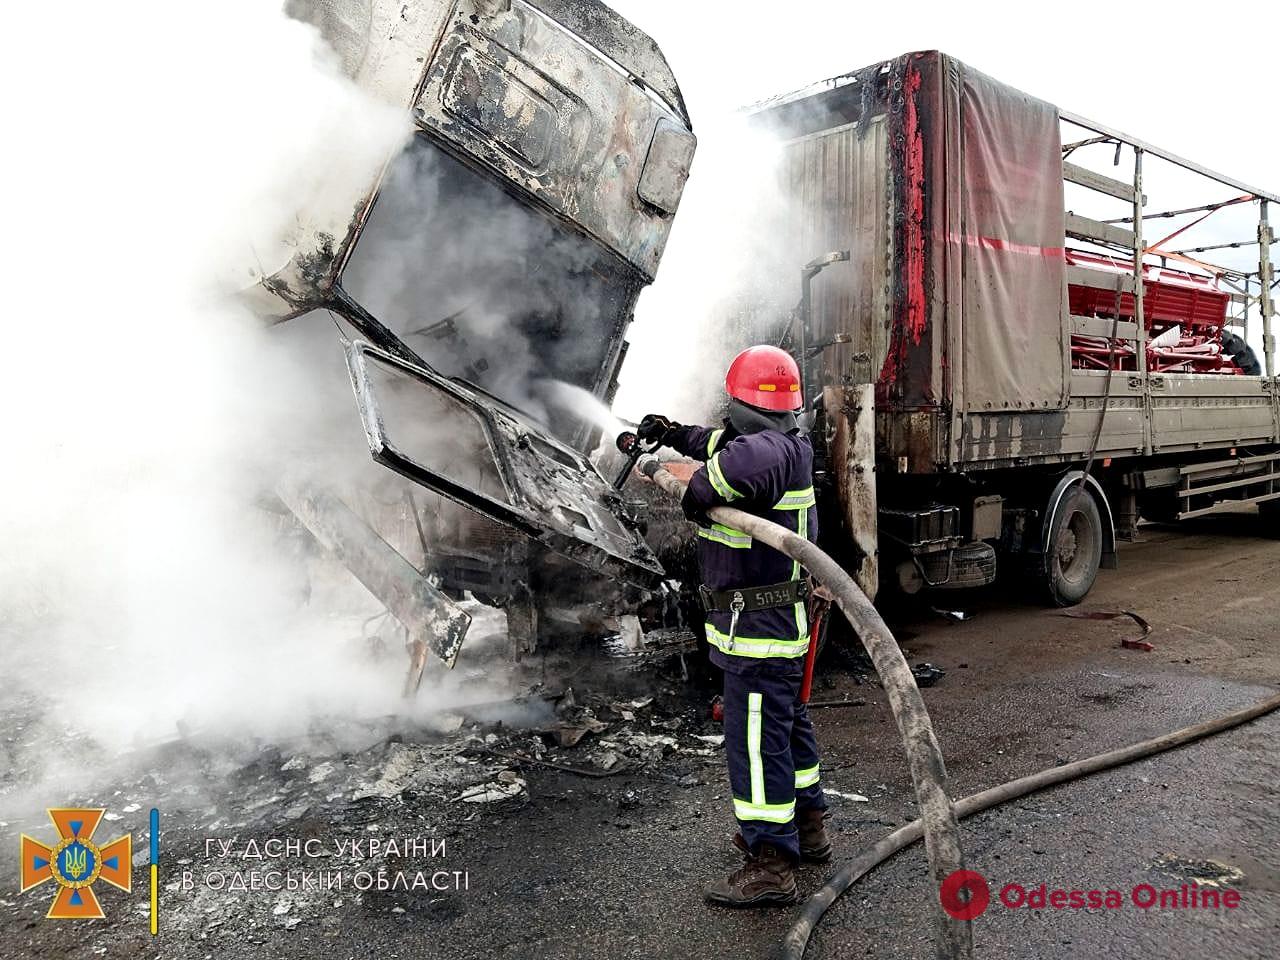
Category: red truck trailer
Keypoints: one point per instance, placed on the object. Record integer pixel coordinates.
(1001, 380)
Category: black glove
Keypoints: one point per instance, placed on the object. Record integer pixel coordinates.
(655, 428)
(693, 510)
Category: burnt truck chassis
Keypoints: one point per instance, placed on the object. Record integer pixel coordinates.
(943, 190)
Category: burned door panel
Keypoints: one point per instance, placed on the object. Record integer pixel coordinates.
(488, 457)
(437, 431)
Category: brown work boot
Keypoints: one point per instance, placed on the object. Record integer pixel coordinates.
(815, 845)
(768, 878)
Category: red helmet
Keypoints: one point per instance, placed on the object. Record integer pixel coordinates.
(765, 377)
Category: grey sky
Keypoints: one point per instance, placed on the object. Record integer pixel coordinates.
(1175, 74)
(1191, 79)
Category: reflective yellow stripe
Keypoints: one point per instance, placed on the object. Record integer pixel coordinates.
(758, 807)
(769, 812)
(797, 500)
(802, 619)
(807, 777)
(712, 441)
(802, 615)
(755, 721)
(721, 485)
(728, 536)
(717, 482)
(757, 647)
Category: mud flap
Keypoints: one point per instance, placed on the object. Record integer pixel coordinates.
(851, 431)
(479, 452)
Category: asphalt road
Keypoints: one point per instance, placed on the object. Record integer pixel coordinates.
(613, 867)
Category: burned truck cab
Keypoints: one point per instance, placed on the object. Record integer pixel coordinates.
(491, 270)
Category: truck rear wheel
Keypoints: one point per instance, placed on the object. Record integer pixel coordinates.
(1073, 553)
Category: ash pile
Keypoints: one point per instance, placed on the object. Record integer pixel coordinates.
(608, 717)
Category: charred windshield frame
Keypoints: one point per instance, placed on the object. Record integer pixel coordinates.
(511, 293)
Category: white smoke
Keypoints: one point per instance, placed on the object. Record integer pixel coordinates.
(156, 151)
(729, 252)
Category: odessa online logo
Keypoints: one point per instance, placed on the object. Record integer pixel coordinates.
(75, 863)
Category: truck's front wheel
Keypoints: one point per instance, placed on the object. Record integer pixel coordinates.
(1073, 552)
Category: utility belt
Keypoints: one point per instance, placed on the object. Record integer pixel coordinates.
(747, 599)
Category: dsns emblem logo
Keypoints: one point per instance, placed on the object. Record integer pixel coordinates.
(75, 863)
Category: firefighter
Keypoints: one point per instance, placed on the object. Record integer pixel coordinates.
(756, 621)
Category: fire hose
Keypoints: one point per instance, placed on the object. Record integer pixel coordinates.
(938, 824)
(797, 938)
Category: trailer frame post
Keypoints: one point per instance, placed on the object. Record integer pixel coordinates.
(1139, 318)
(1138, 256)
(1265, 303)
(1245, 312)
(807, 273)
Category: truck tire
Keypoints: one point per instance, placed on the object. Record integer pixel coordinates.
(1074, 552)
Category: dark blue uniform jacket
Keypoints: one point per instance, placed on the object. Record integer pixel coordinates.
(769, 474)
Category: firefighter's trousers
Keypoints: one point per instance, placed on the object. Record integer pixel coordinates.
(772, 754)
